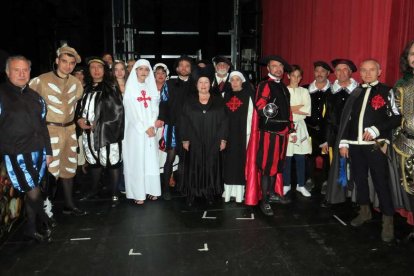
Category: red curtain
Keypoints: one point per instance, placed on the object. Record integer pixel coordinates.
(303, 31)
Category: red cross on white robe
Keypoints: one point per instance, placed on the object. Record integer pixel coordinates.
(144, 98)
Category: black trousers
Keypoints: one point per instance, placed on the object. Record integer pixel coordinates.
(365, 158)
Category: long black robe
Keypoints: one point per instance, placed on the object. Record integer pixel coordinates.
(204, 126)
(237, 106)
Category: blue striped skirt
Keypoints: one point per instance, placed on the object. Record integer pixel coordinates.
(26, 170)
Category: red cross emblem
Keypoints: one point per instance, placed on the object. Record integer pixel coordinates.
(377, 102)
(144, 98)
(234, 103)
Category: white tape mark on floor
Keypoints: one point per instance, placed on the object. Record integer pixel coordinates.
(80, 239)
(340, 220)
(204, 249)
(206, 217)
(251, 217)
(132, 253)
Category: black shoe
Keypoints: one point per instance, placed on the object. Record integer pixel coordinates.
(73, 211)
(36, 236)
(52, 222)
(89, 196)
(166, 195)
(189, 202)
(266, 209)
(325, 204)
(279, 199)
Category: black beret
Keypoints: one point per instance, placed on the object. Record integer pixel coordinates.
(348, 62)
(322, 64)
(265, 60)
(219, 59)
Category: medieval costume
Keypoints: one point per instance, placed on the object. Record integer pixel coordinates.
(221, 84)
(141, 165)
(404, 145)
(302, 146)
(176, 92)
(316, 125)
(103, 110)
(163, 131)
(24, 148)
(271, 128)
(370, 108)
(379, 115)
(239, 105)
(61, 96)
(204, 127)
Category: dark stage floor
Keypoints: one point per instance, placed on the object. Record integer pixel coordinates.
(165, 238)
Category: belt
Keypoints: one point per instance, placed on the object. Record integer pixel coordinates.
(60, 124)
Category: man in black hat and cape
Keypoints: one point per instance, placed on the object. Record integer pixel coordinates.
(272, 126)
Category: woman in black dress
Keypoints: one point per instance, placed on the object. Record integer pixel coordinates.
(204, 128)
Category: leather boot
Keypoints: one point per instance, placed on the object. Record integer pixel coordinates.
(363, 216)
(387, 234)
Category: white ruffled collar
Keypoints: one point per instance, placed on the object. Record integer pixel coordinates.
(336, 87)
(312, 87)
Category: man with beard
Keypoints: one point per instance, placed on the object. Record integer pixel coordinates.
(319, 90)
(221, 79)
(272, 126)
(61, 91)
(170, 111)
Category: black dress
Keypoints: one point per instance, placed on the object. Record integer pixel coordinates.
(237, 106)
(204, 126)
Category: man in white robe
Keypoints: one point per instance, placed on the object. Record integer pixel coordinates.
(140, 146)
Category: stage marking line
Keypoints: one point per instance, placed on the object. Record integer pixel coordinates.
(340, 220)
(251, 217)
(132, 253)
(80, 239)
(206, 217)
(205, 248)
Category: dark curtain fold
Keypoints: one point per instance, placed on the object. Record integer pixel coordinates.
(303, 31)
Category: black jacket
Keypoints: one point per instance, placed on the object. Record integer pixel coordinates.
(22, 121)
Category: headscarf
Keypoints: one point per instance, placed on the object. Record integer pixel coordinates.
(132, 82)
(237, 73)
(164, 67)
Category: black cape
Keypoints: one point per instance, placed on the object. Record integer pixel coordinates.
(109, 114)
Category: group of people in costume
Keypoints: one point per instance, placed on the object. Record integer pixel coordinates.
(230, 139)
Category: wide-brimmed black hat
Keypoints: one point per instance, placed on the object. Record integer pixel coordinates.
(218, 59)
(322, 64)
(348, 62)
(183, 57)
(265, 60)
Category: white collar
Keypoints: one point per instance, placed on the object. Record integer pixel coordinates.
(273, 78)
(336, 87)
(312, 87)
(367, 85)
